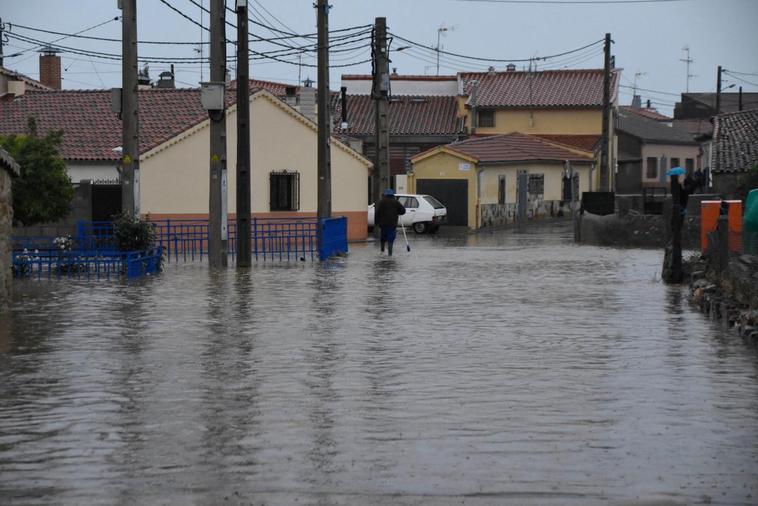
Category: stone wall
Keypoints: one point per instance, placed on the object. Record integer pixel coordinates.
(494, 215)
(731, 295)
(6, 219)
(635, 230)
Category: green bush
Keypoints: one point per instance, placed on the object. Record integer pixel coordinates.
(43, 191)
(132, 234)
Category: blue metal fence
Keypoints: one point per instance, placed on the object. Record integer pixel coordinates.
(93, 251)
(277, 239)
(85, 263)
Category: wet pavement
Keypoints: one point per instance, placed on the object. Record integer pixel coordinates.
(497, 368)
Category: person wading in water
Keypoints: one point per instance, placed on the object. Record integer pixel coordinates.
(387, 212)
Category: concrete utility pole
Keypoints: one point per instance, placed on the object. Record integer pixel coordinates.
(324, 130)
(129, 110)
(605, 180)
(217, 216)
(718, 90)
(244, 258)
(380, 95)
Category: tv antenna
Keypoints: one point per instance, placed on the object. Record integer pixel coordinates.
(688, 61)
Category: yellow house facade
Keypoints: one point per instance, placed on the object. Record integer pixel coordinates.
(175, 174)
(482, 173)
(553, 102)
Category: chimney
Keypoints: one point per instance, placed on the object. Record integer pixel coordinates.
(166, 79)
(648, 104)
(290, 95)
(308, 102)
(637, 102)
(510, 68)
(143, 78)
(50, 68)
(491, 70)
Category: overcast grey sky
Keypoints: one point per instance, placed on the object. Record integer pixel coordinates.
(648, 37)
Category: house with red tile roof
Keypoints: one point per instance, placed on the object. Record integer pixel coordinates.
(174, 156)
(477, 179)
(563, 106)
(546, 102)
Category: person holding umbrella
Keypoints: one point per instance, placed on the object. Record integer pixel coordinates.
(387, 213)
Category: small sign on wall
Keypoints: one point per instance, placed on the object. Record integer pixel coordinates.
(464, 167)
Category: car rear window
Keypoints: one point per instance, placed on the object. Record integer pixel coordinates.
(434, 202)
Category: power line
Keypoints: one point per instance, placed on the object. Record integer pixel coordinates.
(496, 60)
(739, 73)
(273, 55)
(739, 78)
(571, 2)
(651, 91)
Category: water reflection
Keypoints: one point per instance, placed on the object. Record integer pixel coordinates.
(507, 366)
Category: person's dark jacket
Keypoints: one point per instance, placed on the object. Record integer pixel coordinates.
(387, 212)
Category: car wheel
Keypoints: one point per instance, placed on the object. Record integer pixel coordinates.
(420, 227)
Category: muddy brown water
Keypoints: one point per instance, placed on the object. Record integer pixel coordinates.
(497, 368)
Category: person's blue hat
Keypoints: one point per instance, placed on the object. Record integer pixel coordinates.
(389, 192)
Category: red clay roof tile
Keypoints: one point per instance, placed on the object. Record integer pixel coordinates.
(515, 147)
(409, 115)
(546, 88)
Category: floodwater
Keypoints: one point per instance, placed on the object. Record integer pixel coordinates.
(497, 368)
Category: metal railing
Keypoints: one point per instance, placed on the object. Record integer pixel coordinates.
(85, 263)
(276, 239)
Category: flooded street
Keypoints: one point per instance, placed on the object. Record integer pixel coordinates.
(498, 368)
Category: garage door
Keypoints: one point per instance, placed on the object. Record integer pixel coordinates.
(451, 192)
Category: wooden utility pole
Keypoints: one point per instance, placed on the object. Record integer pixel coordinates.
(324, 130)
(129, 111)
(217, 215)
(244, 258)
(718, 90)
(605, 172)
(380, 95)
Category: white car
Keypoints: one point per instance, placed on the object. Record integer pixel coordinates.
(423, 213)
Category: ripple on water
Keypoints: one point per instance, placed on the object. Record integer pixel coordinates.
(499, 367)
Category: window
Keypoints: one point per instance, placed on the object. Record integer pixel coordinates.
(689, 164)
(412, 203)
(486, 118)
(501, 189)
(651, 171)
(674, 162)
(285, 190)
(434, 202)
(536, 184)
